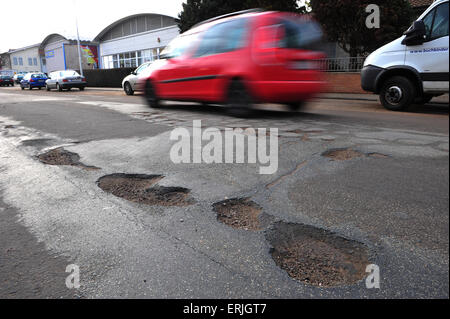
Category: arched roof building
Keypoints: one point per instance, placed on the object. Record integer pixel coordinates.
(130, 41)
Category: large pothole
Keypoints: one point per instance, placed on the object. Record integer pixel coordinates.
(316, 256)
(60, 156)
(139, 188)
(241, 213)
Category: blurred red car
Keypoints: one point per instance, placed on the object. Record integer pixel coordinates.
(241, 59)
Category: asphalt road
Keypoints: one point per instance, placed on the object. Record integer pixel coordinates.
(393, 198)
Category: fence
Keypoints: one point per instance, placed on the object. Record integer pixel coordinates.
(106, 77)
(349, 64)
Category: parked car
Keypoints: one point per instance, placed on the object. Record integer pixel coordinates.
(33, 80)
(65, 79)
(18, 77)
(6, 80)
(414, 68)
(130, 82)
(240, 59)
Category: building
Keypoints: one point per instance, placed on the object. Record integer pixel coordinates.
(25, 59)
(135, 39)
(59, 53)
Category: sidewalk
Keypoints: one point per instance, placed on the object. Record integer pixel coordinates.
(443, 99)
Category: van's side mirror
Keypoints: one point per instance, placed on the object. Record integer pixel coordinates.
(416, 34)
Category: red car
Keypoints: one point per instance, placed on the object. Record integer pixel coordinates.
(241, 59)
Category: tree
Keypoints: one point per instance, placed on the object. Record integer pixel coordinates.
(195, 11)
(344, 21)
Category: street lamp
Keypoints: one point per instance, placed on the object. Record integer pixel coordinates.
(78, 41)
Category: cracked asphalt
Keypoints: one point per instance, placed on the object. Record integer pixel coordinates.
(395, 204)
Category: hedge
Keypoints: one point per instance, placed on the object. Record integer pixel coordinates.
(106, 77)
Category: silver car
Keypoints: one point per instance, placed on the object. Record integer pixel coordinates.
(65, 79)
(130, 82)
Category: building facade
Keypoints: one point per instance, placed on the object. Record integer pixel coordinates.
(135, 39)
(26, 59)
(59, 53)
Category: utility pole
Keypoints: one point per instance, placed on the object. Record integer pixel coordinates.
(78, 42)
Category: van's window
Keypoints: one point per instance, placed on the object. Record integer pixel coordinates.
(300, 34)
(224, 37)
(436, 22)
(178, 46)
(440, 24)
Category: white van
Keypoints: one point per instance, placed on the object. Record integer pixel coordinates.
(413, 68)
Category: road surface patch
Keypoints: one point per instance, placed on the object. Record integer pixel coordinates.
(240, 213)
(139, 188)
(317, 256)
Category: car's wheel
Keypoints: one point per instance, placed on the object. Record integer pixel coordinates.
(22, 87)
(47, 87)
(296, 106)
(58, 87)
(239, 102)
(69, 88)
(128, 89)
(150, 95)
(81, 88)
(424, 99)
(397, 93)
(30, 87)
(39, 88)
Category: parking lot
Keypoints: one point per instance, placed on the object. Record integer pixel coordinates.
(355, 185)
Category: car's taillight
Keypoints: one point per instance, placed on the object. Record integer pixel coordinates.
(31, 80)
(65, 80)
(83, 79)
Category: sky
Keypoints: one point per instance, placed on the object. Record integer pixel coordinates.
(30, 21)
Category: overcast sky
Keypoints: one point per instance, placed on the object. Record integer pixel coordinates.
(27, 22)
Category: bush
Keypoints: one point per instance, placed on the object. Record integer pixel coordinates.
(106, 77)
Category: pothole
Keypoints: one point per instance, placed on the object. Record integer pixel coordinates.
(139, 188)
(316, 256)
(342, 154)
(60, 156)
(240, 213)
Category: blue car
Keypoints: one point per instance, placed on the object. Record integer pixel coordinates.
(33, 80)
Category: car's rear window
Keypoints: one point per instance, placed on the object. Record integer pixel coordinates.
(38, 76)
(69, 73)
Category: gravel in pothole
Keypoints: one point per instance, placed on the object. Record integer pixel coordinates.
(316, 256)
(139, 188)
(60, 156)
(241, 213)
(342, 154)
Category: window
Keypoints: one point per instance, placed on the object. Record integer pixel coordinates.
(35, 61)
(436, 22)
(30, 61)
(15, 61)
(180, 45)
(440, 24)
(223, 37)
(300, 34)
(20, 61)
